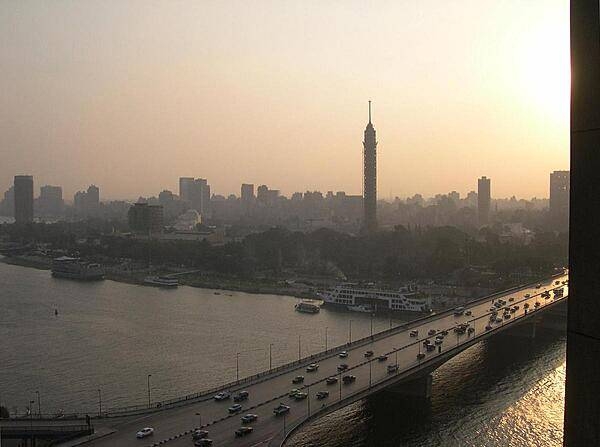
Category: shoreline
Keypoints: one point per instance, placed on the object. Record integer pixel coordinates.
(232, 285)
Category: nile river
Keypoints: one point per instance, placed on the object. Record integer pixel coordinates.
(109, 336)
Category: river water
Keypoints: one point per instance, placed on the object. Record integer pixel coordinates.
(109, 336)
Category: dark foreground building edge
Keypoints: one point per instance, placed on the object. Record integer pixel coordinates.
(582, 393)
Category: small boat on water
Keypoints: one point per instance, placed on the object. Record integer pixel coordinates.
(75, 268)
(308, 307)
(161, 281)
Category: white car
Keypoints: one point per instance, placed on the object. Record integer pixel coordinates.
(343, 354)
(147, 431)
(223, 395)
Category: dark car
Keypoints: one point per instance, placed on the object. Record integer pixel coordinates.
(331, 380)
(348, 379)
(298, 379)
(382, 358)
(342, 367)
(199, 434)
(241, 396)
(247, 418)
(369, 354)
(243, 431)
(203, 442)
(322, 395)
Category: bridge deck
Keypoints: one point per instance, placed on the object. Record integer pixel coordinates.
(172, 426)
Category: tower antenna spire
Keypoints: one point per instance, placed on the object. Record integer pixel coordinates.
(369, 111)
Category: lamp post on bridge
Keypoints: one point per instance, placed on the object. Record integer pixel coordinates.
(325, 338)
(349, 331)
(39, 405)
(299, 348)
(149, 375)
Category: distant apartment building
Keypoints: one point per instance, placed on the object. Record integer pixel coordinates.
(484, 199)
(87, 203)
(50, 202)
(196, 192)
(23, 187)
(247, 192)
(145, 219)
(559, 198)
(7, 206)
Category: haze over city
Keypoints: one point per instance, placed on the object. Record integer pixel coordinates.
(133, 95)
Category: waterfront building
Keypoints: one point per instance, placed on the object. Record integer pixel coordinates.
(145, 219)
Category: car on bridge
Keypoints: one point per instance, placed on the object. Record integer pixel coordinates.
(236, 408)
(281, 409)
(342, 367)
(243, 431)
(203, 442)
(241, 396)
(432, 332)
(348, 379)
(343, 354)
(488, 328)
(223, 395)
(313, 367)
(199, 434)
(293, 392)
(322, 395)
(420, 355)
(430, 347)
(382, 358)
(331, 380)
(414, 333)
(392, 369)
(298, 379)
(300, 395)
(144, 432)
(250, 417)
(369, 353)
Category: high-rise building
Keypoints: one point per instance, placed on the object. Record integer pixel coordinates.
(50, 202)
(87, 203)
(484, 200)
(145, 219)
(370, 177)
(7, 206)
(247, 192)
(559, 198)
(196, 192)
(186, 185)
(23, 198)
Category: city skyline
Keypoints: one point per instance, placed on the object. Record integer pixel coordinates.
(135, 112)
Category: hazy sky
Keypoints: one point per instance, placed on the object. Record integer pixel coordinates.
(131, 95)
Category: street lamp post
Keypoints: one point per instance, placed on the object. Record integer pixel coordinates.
(39, 405)
(149, 375)
(199, 419)
(299, 349)
(349, 331)
(99, 402)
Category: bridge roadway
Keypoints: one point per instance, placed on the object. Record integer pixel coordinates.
(173, 426)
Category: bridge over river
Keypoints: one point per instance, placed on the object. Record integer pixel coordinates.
(400, 363)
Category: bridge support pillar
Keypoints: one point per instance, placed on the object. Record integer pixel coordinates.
(419, 387)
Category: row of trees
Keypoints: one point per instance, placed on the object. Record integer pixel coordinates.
(403, 253)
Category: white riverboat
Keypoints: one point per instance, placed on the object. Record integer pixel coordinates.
(161, 281)
(369, 299)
